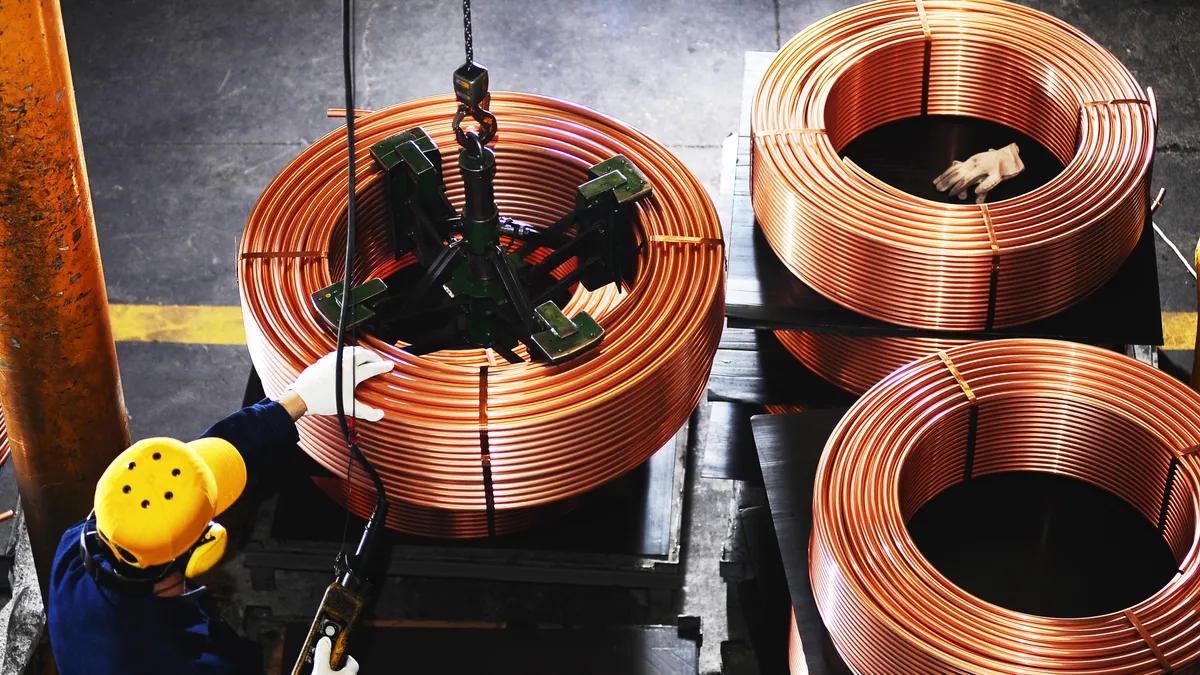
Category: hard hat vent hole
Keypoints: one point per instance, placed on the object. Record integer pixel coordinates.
(169, 495)
(175, 472)
(157, 456)
(145, 503)
(126, 489)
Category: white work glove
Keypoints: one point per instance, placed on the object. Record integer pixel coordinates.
(987, 169)
(315, 384)
(321, 660)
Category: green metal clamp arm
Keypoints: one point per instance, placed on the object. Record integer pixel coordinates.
(565, 338)
(328, 302)
(420, 216)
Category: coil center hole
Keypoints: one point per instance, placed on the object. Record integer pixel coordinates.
(910, 153)
(539, 204)
(1043, 544)
(1046, 505)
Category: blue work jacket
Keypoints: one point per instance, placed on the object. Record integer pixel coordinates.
(100, 631)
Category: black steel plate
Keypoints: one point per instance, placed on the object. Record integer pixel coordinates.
(629, 516)
(499, 651)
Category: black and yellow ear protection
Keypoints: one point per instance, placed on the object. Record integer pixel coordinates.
(206, 552)
(128, 577)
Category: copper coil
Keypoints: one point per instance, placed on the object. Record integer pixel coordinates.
(797, 665)
(856, 363)
(902, 259)
(1039, 405)
(796, 662)
(552, 432)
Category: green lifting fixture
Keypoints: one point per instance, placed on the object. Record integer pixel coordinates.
(473, 290)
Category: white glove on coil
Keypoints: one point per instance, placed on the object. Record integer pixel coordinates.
(987, 169)
(315, 384)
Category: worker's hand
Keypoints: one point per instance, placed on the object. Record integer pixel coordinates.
(987, 169)
(321, 661)
(315, 384)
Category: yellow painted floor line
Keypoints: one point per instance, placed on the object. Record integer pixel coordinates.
(186, 324)
(1179, 330)
(213, 325)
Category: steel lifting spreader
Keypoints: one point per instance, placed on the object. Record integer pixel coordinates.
(480, 284)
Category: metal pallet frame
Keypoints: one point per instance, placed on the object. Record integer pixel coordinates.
(265, 555)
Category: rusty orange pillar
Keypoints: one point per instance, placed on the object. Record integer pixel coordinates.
(59, 386)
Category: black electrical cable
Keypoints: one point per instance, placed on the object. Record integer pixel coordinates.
(345, 423)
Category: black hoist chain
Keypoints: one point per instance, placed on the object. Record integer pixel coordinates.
(467, 30)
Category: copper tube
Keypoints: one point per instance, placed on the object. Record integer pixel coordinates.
(553, 432)
(905, 260)
(856, 363)
(1040, 405)
(59, 384)
(773, 409)
(335, 113)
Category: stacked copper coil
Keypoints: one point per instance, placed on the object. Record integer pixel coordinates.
(955, 267)
(988, 407)
(856, 363)
(546, 434)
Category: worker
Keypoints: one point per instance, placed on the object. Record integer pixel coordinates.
(122, 600)
(984, 170)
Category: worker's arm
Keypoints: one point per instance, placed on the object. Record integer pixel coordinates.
(265, 431)
(262, 433)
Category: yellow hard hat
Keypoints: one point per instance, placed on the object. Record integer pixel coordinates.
(158, 497)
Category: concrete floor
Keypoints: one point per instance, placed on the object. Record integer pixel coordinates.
(188, 109)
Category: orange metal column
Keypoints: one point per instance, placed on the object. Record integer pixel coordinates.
(59, 385)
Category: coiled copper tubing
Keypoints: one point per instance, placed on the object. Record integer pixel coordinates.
(988, 407)
(545, 433)
(856, 363)
(902, 259)
(796, 662)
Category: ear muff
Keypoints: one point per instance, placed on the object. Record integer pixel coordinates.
(207, 552)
